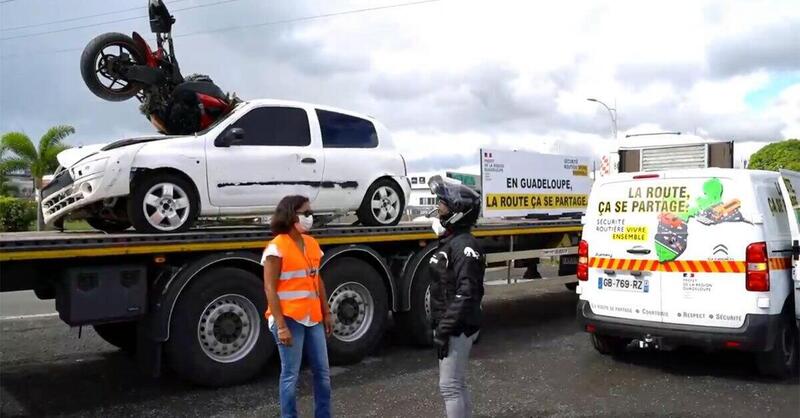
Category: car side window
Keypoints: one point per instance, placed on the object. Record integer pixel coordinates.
(345, 131)
(275, 126)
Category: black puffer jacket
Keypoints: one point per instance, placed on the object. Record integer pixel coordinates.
(458, 267)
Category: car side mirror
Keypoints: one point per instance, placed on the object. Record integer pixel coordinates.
(233, 136)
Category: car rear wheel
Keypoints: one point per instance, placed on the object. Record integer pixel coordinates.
(383, 204)
(163, 203)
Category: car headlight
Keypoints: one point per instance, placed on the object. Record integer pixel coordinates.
(87, 168)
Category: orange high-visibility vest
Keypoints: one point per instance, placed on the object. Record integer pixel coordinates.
(297, 283)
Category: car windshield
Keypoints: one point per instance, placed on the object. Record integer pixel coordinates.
(222, 118)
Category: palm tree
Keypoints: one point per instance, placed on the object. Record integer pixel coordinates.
(25, 155)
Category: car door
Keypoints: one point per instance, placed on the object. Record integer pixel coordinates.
(347, 139)
(790, 189)
(277, 156)
(624, 280)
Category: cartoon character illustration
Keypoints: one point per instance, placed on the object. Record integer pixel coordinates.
(672, 236)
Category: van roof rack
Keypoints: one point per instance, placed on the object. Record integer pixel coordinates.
(653, 133)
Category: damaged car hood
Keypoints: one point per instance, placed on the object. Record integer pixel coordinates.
(71, 156)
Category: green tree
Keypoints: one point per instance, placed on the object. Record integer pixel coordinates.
(783, 154)
(26, 156)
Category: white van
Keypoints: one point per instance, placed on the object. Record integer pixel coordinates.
(696, 257)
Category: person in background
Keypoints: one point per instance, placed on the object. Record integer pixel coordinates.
(298, 313)
(458, 266)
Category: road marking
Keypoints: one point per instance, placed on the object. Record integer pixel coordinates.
(19, 317)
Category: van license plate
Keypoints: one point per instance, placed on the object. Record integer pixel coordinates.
(629, 285)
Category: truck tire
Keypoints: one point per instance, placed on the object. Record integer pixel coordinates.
(119, 334)
(416, 323)
(218, 336)
(383, 204)
(360, 307)
(782, 361)
(163, 202)
(608, 345)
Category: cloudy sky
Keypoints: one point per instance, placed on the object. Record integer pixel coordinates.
(447, 77)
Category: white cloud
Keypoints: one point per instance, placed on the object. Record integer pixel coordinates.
(452, 76)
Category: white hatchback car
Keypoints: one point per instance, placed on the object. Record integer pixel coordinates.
(241, 166)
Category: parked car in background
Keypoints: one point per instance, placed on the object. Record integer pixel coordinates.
(240, 166)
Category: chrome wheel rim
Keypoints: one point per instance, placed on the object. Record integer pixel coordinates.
(229, 328)
(166, 206)
(353, 309)
(385, 204)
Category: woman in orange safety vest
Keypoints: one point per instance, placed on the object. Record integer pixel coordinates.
(298, 313)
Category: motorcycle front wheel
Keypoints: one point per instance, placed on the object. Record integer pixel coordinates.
(103, 61)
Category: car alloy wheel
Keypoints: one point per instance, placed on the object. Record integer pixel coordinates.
(166, 206)
(385, 205)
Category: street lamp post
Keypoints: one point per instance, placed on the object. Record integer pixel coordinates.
(612, 112)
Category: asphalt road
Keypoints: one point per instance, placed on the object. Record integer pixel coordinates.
(531, 361)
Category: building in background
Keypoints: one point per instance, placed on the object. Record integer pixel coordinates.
(22, 184)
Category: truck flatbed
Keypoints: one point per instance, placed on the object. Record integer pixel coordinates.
(52, 245)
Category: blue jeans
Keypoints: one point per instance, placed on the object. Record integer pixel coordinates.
(311, 342)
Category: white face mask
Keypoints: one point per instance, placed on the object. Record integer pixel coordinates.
(304, 223)
(438, 229)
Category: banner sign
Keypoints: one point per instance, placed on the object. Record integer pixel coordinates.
(519, 183)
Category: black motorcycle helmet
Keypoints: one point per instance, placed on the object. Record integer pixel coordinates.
(464, 203)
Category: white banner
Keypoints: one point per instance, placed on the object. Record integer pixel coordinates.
(519, 183)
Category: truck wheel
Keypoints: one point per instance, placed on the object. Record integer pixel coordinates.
(782, 361)
(217, 335)
(163, 203)
(416, 323)
(107, 225)
(383, 204)
(359, 305)
(119, 334)
(608, 345)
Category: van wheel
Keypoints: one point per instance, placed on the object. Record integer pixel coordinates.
(782, 361)
(119, 334)
(608, 345)
(383, 205)
(217, 334)
(359, 305)
(416, 323)
(163, 203)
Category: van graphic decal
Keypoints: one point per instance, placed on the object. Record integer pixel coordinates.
(672, 236)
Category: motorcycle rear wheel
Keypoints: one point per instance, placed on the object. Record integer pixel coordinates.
(99, 75)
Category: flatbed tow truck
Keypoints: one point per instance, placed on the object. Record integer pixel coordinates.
(194, 301)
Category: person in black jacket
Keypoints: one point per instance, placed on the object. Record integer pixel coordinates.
(458, 267)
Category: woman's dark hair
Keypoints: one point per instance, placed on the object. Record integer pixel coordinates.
(286, 214)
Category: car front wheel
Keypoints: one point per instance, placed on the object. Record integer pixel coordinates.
(163, 203)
